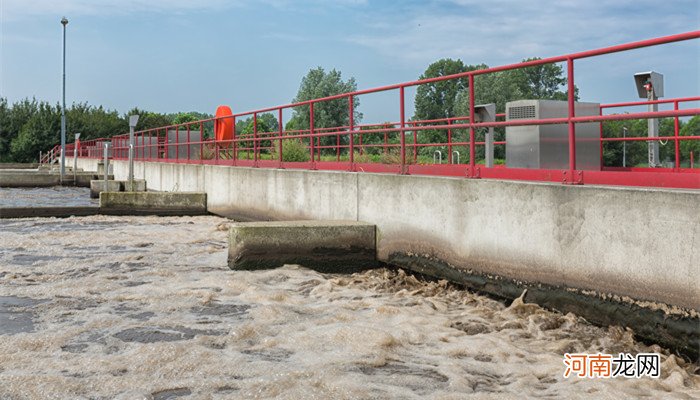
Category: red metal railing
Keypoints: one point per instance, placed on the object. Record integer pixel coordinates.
(353, 141)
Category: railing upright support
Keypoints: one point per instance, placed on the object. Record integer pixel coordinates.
(572, 178)
(255, 140)
(280, 134)
(351, 119)
(676, 131)
(403, 131)
(472, 172)
(311, 135)
(449, 140)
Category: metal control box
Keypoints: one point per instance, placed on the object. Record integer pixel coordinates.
(547, 146)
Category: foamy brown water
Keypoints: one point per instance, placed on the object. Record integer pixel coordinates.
(145, 307)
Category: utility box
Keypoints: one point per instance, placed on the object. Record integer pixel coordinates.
(547, 146)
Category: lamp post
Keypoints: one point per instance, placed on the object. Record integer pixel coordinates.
(64, 22)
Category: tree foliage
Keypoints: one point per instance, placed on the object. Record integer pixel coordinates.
(328, 114)
(29, 126)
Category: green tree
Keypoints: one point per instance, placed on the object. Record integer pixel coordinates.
(691, 128)
(183, 118)
(262, 128)
(40, 133)
(12, 122)
(439, 100)
(93, 122)
(544, 81)
(328, 114)
(149, 120)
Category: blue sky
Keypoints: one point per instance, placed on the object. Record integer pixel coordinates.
(179, 55)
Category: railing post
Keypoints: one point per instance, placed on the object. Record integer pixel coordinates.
(255, 140)
(351, 119)
(472, 173)
(177, 143)
(234, 157)
(201, 142)
(280, 134)
(311, 135)
(403, 127)
(449, 140)
(676, 129)
(415, 144)
(572, 178)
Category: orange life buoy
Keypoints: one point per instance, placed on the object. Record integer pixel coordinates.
(223, 127)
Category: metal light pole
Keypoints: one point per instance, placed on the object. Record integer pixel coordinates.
(64, 22)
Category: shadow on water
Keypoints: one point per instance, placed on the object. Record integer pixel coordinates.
(16, 315)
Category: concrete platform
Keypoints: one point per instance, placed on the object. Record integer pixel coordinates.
(28, 178)
(326, 246)
(139, 185)
(19, 165)
(153, 203)
(99, 185)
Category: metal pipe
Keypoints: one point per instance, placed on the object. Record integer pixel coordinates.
(131, 157)
(453, 156)
(489, 148)
(437, 156)
(106, 165)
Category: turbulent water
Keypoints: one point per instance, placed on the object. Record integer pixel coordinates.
(64, 196)
(145, 307)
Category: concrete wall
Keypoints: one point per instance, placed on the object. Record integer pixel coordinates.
(642, 243)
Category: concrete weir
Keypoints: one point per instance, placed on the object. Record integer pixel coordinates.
(326, 246)
(153, 203)
(614, 255)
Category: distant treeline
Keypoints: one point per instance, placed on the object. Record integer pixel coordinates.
(30, 126)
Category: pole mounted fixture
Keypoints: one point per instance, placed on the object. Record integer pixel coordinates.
(64, 22)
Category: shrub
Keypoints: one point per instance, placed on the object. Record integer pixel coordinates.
(293, 150)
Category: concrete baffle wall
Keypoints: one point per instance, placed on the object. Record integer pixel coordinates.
(153, 203)
(326, 246)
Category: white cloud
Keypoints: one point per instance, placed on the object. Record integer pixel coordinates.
(16, 9)
(501, 31)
